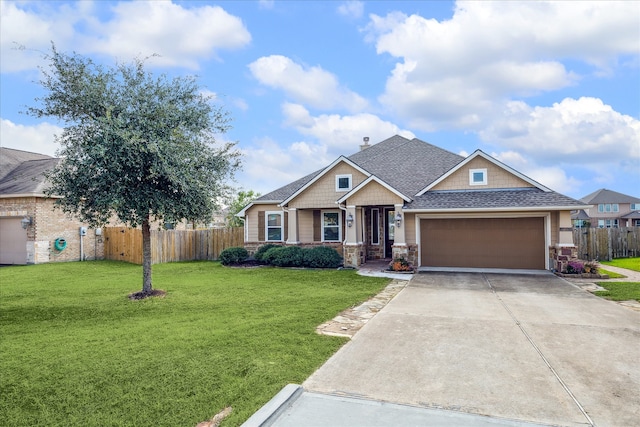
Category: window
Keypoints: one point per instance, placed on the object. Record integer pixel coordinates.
(607, 223)
(636, 222)
(343, 182)
(331, 229)
(477, 177)
(635, 206)
(608, 207)
(274, 226)
(375, 226)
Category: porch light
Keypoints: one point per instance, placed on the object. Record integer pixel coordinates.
(398, 220)
(26, 221)
(349, 220)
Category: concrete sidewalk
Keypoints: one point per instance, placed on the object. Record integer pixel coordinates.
(294, 407)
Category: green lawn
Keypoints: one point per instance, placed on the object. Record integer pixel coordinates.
(611, 274)
(75, 350)
(620, 291)
(628, 263)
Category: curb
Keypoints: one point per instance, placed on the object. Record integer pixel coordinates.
(270, 412)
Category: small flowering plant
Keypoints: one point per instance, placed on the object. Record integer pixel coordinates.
(575, 267)
(400, 264)
(591, 267)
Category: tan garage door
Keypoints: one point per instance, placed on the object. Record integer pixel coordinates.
(13, 241)
(483, 243)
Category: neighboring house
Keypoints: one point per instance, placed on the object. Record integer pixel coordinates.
(609, 209)
(31, 231)
(407, 198)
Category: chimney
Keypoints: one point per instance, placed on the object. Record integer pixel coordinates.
(365, 143)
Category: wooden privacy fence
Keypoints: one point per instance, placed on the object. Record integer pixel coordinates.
(605, 244)
(125, 244)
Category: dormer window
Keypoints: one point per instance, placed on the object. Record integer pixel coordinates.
(477, 177)
(343, 182)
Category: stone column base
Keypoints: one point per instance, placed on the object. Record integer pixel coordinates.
(560, 257)
(353, 255)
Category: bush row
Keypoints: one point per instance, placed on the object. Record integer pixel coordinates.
(285, 256)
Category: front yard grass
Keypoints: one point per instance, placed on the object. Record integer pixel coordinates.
(75, 351)
(628, 263)
(620, 291)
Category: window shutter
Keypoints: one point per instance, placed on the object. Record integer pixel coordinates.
(317, 226)
(261, 226)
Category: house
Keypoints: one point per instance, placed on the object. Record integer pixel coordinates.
(31, 231)
(608, 209)
(410, 199)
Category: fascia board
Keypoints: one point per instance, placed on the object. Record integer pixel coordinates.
(261, 202)
(498, 209)
(323, 173)
(367, 181)
(490, 159)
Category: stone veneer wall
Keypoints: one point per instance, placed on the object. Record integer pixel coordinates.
(560, 257)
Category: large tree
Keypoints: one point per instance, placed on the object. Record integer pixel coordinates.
(135, 146)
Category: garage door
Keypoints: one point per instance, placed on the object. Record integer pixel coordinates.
(483, 243)
(13, 241)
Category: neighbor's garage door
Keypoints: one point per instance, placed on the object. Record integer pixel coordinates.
(483, 242)
(13, 241)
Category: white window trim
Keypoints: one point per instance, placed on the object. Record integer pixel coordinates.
(339, 225)
(349, 176)
(484, 176)
(266, 225)
(634, 206)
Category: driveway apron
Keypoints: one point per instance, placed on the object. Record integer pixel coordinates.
(525, 347)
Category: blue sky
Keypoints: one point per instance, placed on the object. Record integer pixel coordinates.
(551, 89)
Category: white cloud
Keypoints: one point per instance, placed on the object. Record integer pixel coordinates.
(351, 9)
(312, 86)
(37, 138)
(581, 130)
(455, 73)
(181, 36)
(341, 134)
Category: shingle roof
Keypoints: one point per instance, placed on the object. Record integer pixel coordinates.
(608, 196)
(492, 199)
(22, 172)
(406, 165)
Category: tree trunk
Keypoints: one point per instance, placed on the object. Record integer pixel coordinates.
(146, 257)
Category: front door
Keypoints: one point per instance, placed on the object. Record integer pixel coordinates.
(389, 231)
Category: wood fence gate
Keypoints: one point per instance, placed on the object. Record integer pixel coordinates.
(606, 244)
(125, 244)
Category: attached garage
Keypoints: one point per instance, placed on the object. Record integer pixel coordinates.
(514, 243)
(13, 241)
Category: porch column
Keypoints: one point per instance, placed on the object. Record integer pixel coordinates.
(351, 237)
(399, 248)
(352, 248)
(565, 237)
(292, 218)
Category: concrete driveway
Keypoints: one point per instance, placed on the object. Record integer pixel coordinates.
(533, 348)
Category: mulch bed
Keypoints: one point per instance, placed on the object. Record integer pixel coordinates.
(136, 296)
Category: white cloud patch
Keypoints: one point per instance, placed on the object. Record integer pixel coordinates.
(455, 73)
(351, 9)
(181, 36)
(312, 86)
(341, 134)
(583, 130)
(36, 139)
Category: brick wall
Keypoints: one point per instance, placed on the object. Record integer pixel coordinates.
(48, 225)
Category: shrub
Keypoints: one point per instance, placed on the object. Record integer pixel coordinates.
(400, 264)
(262, 250)
(286, 256)
(575, 267)
(232, 256)
(322, 257)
